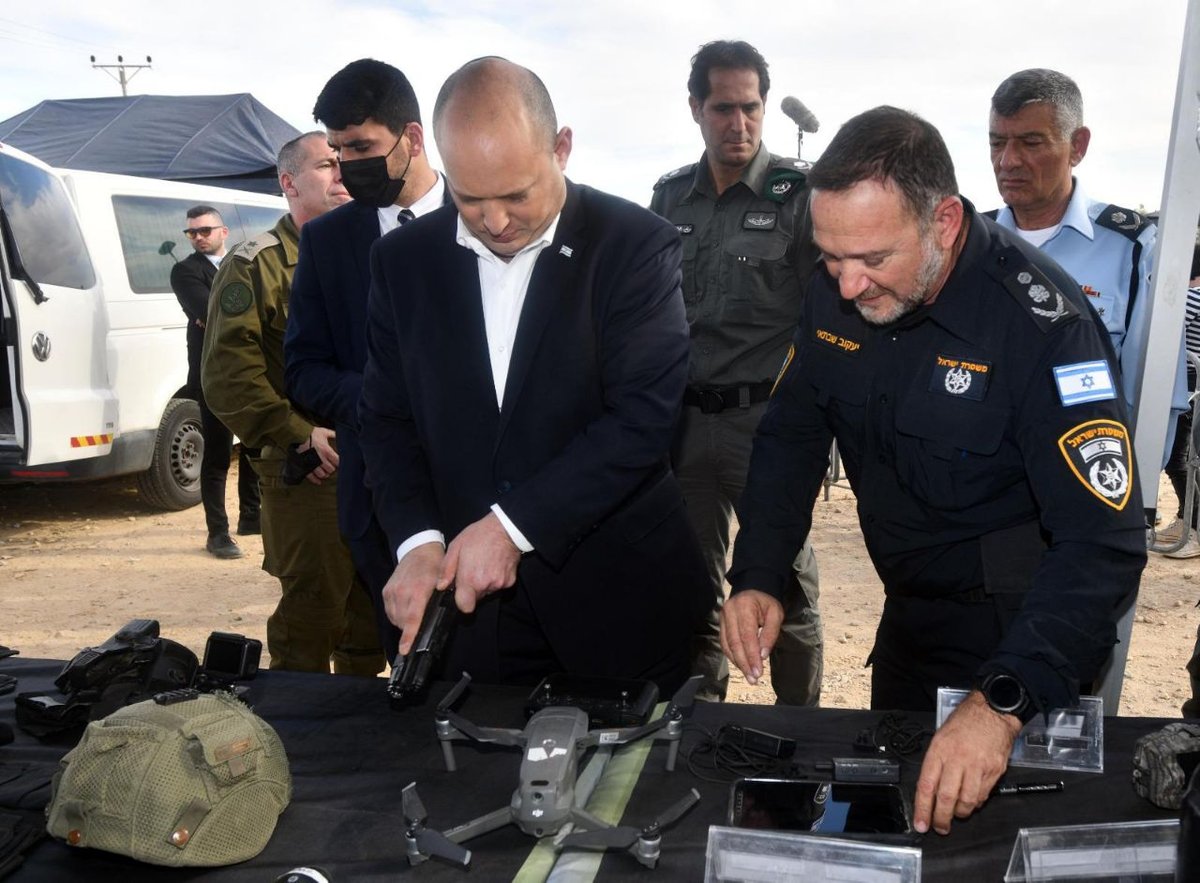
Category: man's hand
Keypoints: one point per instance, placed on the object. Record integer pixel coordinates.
(750, 622)
(480, 560)
(966, 758)
(408, 589)
(321, 440)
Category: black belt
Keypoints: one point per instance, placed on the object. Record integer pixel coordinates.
(714, 400)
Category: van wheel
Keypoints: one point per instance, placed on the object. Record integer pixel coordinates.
(173, 479)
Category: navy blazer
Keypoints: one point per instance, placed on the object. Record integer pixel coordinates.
(577, 456)
(325, 346)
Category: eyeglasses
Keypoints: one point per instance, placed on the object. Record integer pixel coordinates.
(193, 232)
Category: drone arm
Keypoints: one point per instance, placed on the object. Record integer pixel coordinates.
(482, 825)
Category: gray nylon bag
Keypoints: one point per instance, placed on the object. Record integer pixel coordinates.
(200, 782)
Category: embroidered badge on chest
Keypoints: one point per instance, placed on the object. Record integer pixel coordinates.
(759, 221)
(685, 229)
(1098, 453)
(961, 378)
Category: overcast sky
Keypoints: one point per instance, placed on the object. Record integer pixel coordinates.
(617, 69)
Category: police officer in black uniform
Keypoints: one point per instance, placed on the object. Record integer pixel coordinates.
(747, 251)
(976, 405)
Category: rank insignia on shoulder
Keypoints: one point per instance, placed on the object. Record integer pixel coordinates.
(1127, 222)
(249, 249)
(236, 298)
(962, 378)
(1040, 297)
(673, 174)
(1098, 454)
(1084, 382)
(759, 221)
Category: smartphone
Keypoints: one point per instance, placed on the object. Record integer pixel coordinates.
(819, 807)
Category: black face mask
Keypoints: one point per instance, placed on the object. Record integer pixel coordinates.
(367, 180)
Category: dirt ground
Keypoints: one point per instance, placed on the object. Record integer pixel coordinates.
(79, 561)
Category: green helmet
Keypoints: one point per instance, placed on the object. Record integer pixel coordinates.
(198, 782)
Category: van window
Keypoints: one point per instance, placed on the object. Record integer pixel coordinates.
(44, 225)
(152, 240)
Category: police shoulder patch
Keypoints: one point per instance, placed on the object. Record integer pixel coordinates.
(236, 298)
(783, 182)
(1127, 222)
(248, 250)
(1039, 297)
(1098, 454)
(676, 173)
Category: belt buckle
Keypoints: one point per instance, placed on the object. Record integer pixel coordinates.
(711, 401)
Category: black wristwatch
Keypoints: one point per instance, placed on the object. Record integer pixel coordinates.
(1005, 694)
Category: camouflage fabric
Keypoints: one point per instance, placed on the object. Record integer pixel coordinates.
(1158, 768)
(199, 782)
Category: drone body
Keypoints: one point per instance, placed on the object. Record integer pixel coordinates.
(546, 799)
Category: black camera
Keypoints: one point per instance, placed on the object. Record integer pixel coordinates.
(229, 657)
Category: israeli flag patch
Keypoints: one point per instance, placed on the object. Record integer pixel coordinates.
(1084, 382)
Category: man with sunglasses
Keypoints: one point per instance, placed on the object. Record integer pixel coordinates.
(191, 280)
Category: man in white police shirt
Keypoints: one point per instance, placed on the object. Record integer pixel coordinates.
(1037, 137)
(971, 394)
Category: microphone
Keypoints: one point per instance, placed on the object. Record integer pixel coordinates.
(799, 114)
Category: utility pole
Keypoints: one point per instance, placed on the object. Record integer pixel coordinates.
(120, 67)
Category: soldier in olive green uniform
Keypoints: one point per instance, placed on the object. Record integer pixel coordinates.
(747, 254)
(324, 612)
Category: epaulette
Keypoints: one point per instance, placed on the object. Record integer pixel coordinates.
(249, 249)
(784, 178)
(1046, 305)
(1127, 222)
(671, 176)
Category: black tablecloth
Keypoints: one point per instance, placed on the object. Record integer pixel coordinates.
(351, 754)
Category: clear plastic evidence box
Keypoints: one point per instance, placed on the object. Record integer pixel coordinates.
(737, 855)
(1067, 739)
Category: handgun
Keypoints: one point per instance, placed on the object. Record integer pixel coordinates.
(410, 673)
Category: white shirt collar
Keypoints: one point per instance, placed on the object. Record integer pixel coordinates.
(464, 237)
(431, 201)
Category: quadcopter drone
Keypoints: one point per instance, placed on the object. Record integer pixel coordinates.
(545, 802)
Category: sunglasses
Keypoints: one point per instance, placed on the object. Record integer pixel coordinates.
(193, 232)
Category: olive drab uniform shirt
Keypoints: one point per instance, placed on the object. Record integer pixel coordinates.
(243, 343)
(747, 255)
(986, 441)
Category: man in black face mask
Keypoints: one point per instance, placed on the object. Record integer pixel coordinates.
(372, 120)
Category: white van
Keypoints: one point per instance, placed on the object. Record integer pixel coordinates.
(95, 359)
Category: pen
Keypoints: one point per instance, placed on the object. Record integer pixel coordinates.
(1029, 788)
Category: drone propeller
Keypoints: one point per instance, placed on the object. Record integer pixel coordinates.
(429, 842)
(457, 690)
(625, 836)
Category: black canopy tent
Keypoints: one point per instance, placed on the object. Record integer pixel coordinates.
(223, 140)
